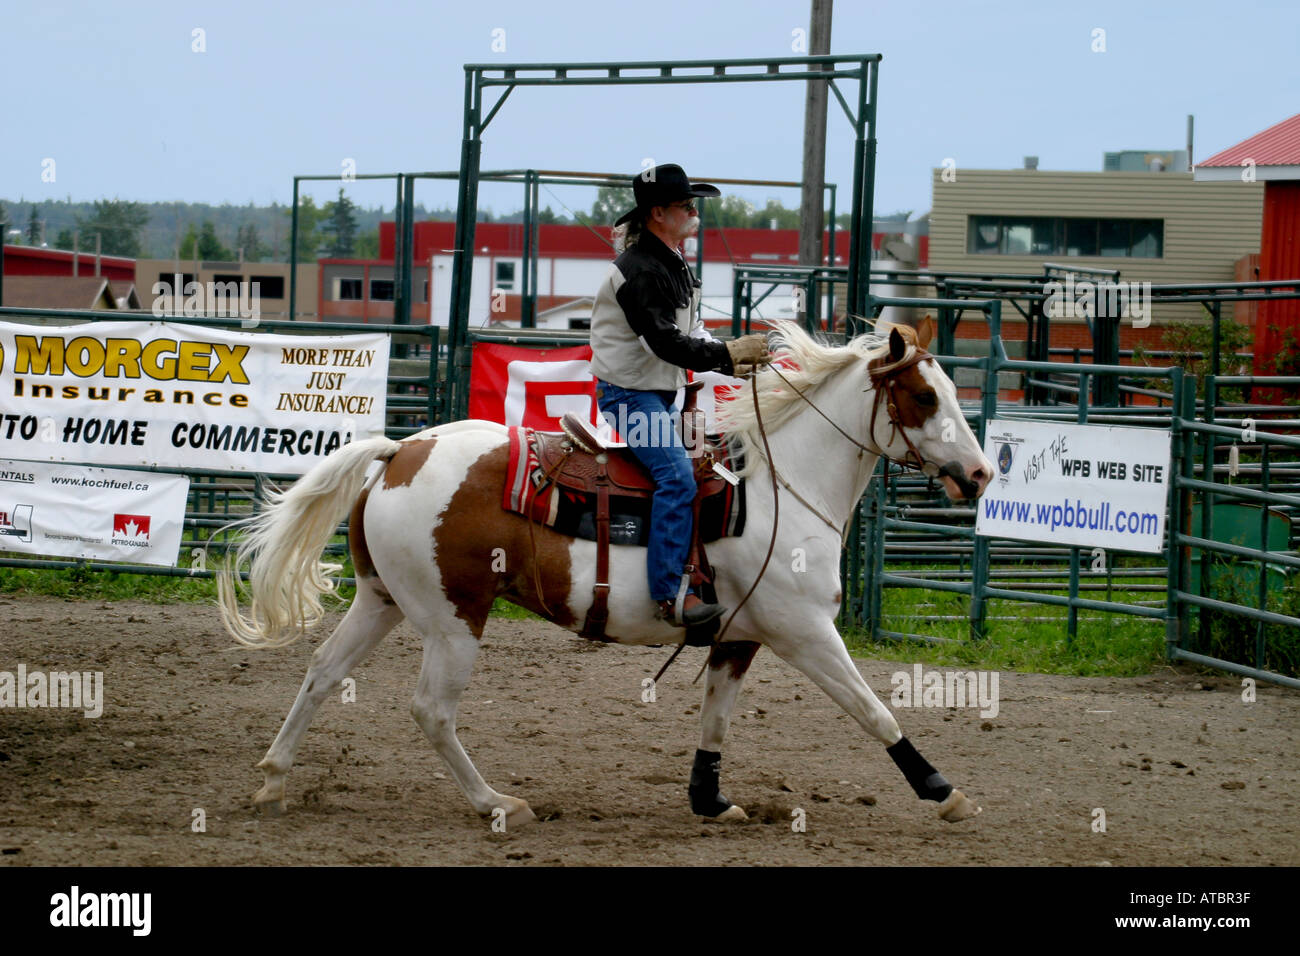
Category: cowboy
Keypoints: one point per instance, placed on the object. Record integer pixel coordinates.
(644, 335)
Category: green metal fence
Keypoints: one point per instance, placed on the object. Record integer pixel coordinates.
(902, 519)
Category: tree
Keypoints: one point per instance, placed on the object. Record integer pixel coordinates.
(309, 218)
(33, 228)
(611, 202)
(251, 243)
(64, 239)
(118, 224)
(189, 244)
(340, 227)
(210, 247)
(367, 245)
(729, 212)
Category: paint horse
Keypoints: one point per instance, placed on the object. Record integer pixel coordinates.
(427, 531)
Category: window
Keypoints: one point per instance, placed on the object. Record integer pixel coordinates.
(505, 277)
(269, 287)
(228, 278)
(381, 290)
(1060, 236)
(347, 290)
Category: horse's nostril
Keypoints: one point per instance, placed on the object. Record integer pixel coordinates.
(978, 475)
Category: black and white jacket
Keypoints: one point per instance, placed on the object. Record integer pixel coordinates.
(643, 327)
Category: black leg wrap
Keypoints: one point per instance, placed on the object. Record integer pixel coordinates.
(705, 798)
(928, 783)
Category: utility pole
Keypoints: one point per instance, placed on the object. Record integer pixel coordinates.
(811, 215)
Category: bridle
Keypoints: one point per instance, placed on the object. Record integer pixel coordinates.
(883, 381)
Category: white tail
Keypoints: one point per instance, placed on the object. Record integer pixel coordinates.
(284, 544)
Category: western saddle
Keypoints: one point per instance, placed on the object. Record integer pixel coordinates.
(577, 459)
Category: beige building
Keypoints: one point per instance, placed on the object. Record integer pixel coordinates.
(272, 279)
(1157, 227)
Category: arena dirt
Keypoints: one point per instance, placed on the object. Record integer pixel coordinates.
(1184, 770)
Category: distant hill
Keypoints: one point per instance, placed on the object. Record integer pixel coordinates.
(168, 222)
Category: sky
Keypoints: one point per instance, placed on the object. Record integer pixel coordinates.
(122, 102)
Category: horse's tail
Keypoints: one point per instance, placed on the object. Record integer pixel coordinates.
(284, 544)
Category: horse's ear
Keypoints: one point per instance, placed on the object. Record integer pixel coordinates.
(925, 332)
(897, 345)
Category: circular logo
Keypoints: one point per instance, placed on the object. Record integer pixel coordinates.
(1004, 458)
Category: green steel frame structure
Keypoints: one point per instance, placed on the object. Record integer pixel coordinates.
(480, 78)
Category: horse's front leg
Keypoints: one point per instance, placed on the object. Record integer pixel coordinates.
(727, 666)
(823, 657)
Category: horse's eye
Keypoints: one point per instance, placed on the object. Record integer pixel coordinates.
(927, 400)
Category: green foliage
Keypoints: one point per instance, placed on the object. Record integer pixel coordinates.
(367, 246)
(210, 247)
(1193, 345)
(33, 228)
(189, 247)
(1232, 637)
(118, 223)
(340, 227)
(250, 243)
(64, 240)
(309, 219)
(611, 202)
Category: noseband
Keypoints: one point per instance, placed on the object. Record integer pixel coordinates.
(883, 380)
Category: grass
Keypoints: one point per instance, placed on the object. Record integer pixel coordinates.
(1111, 645)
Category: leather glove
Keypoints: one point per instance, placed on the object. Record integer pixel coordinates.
(746, 352)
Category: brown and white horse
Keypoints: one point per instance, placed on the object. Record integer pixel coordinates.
(431, 542)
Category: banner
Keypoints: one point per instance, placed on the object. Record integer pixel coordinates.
(515, 385)
(181, 396)
(104, 514)
(1094, 486)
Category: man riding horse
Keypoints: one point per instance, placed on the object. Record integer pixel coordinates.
(644, 334)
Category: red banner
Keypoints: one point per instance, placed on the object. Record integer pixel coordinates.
(515, 385)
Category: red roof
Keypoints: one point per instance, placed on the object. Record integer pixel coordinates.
(1279, 145)
(563, 241)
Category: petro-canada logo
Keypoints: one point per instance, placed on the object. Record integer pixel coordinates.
(131, 531)
(17, 523)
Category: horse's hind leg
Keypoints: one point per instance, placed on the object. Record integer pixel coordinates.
(826, 661)
(364, 626)
(448, 663)
(727, 666)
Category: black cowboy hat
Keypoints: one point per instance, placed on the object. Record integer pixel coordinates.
(661, 186)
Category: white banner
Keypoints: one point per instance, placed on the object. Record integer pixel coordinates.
(1095, 486)
(103, 514)
(183, 396)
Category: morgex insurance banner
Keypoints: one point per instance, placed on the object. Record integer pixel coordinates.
(182, 396)
(102, 514)
(1094, 486)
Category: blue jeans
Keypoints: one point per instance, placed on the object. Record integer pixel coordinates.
(648, 422)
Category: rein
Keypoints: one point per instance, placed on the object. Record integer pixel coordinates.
(883, 380)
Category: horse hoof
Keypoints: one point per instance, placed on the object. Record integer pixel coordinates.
(514, 812)
(733, 814)
(268, 805)
(958, 806)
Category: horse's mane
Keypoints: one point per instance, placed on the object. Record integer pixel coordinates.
(813, 363)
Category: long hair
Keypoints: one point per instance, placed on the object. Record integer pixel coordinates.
(626, 235)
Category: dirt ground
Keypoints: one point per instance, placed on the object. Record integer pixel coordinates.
(1185, 771)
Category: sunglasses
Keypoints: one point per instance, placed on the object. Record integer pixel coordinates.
(688, 206)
